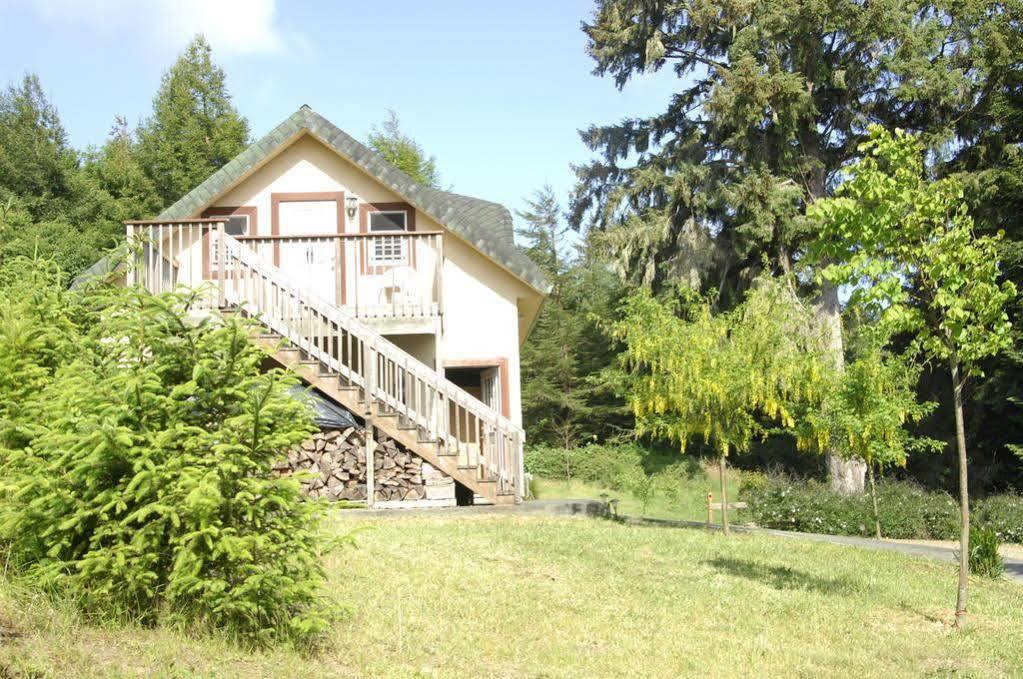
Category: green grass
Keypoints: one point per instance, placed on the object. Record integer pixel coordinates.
(684, 499)
(508, 596)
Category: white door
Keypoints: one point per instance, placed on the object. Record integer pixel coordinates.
(308, 261)
(490, 383)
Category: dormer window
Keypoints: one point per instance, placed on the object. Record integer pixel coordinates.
(388, 220)
(237, 225)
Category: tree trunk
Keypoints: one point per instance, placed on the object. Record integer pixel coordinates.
(846, 475)
(722, 465)
(873, 499)
(964, 498)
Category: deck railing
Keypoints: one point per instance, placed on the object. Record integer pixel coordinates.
(372, 275)
(390, 380)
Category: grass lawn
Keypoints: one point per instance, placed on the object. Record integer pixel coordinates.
(508, 596)
(685, 499)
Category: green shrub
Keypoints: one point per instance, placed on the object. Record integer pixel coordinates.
(140, 485)
(984, 557)
(1003, 514)
(905, 510)
(619, 467)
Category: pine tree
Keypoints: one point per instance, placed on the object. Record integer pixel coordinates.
(195, 129)
(404, 152)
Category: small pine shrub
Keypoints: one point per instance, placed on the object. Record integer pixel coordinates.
(137, 477)
(984, 557)
(1003, 514)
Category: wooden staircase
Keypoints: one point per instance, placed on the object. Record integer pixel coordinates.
(354, 366)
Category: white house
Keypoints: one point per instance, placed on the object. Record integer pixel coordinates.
(404, 304)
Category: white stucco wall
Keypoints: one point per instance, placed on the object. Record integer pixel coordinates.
(481, 301)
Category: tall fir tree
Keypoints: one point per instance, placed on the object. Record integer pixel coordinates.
(195, 129)
(37, 164)
(773, 100)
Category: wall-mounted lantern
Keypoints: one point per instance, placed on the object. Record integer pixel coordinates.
(351, 206)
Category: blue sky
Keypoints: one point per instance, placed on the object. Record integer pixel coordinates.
(496, 91)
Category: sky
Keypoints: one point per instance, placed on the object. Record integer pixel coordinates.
(496, 91)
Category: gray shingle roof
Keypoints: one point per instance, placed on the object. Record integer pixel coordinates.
(485, 225)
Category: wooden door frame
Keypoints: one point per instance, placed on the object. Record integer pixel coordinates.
(502, 372)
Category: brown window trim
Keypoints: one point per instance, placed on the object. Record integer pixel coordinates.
(249, 211)
(365, 209)
(502, 370)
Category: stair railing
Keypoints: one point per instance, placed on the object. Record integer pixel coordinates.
(390, 380)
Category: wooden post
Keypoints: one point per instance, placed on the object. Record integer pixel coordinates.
(371, 380)
(131, 275)
(221, 256)
(710, 511)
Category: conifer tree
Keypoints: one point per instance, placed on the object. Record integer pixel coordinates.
(404, 152)
(194, 129)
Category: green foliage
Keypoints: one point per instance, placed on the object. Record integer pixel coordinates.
(564, 402)
(621, 467)
(136, 467)
(195, 129)
(888, 225)
(772, 100)
(725, 378)
(905, 511)
(404, 152)
(1003, 514)
(865, 413)
(36, 163)
(984, 557)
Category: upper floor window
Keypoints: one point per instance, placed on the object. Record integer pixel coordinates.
(237, 225)
(388, 220)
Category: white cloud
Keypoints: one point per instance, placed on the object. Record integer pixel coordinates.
(236, 27)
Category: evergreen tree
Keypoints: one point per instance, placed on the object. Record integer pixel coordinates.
(563, 400)
(404, 152)
(36, 163)
(115, 169)
(773, 100)
(195, 129)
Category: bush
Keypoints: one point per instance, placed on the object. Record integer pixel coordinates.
(1003, 514)
(140, 485)
(624, 467)
(905, 510)
(984, 557)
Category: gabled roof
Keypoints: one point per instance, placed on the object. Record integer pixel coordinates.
(485, 225)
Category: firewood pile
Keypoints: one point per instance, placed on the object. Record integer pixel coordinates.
(338, 459)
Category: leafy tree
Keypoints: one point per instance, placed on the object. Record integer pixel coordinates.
(908, 245)
(195, 128)
(866, 411)
(725, 378)
(404, 152)
(136, 449)
(773, 99)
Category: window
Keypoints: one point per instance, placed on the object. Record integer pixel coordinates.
(387, 220)
(237, 225)
(387, 250)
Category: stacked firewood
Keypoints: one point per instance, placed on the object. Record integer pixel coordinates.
(337, 457)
